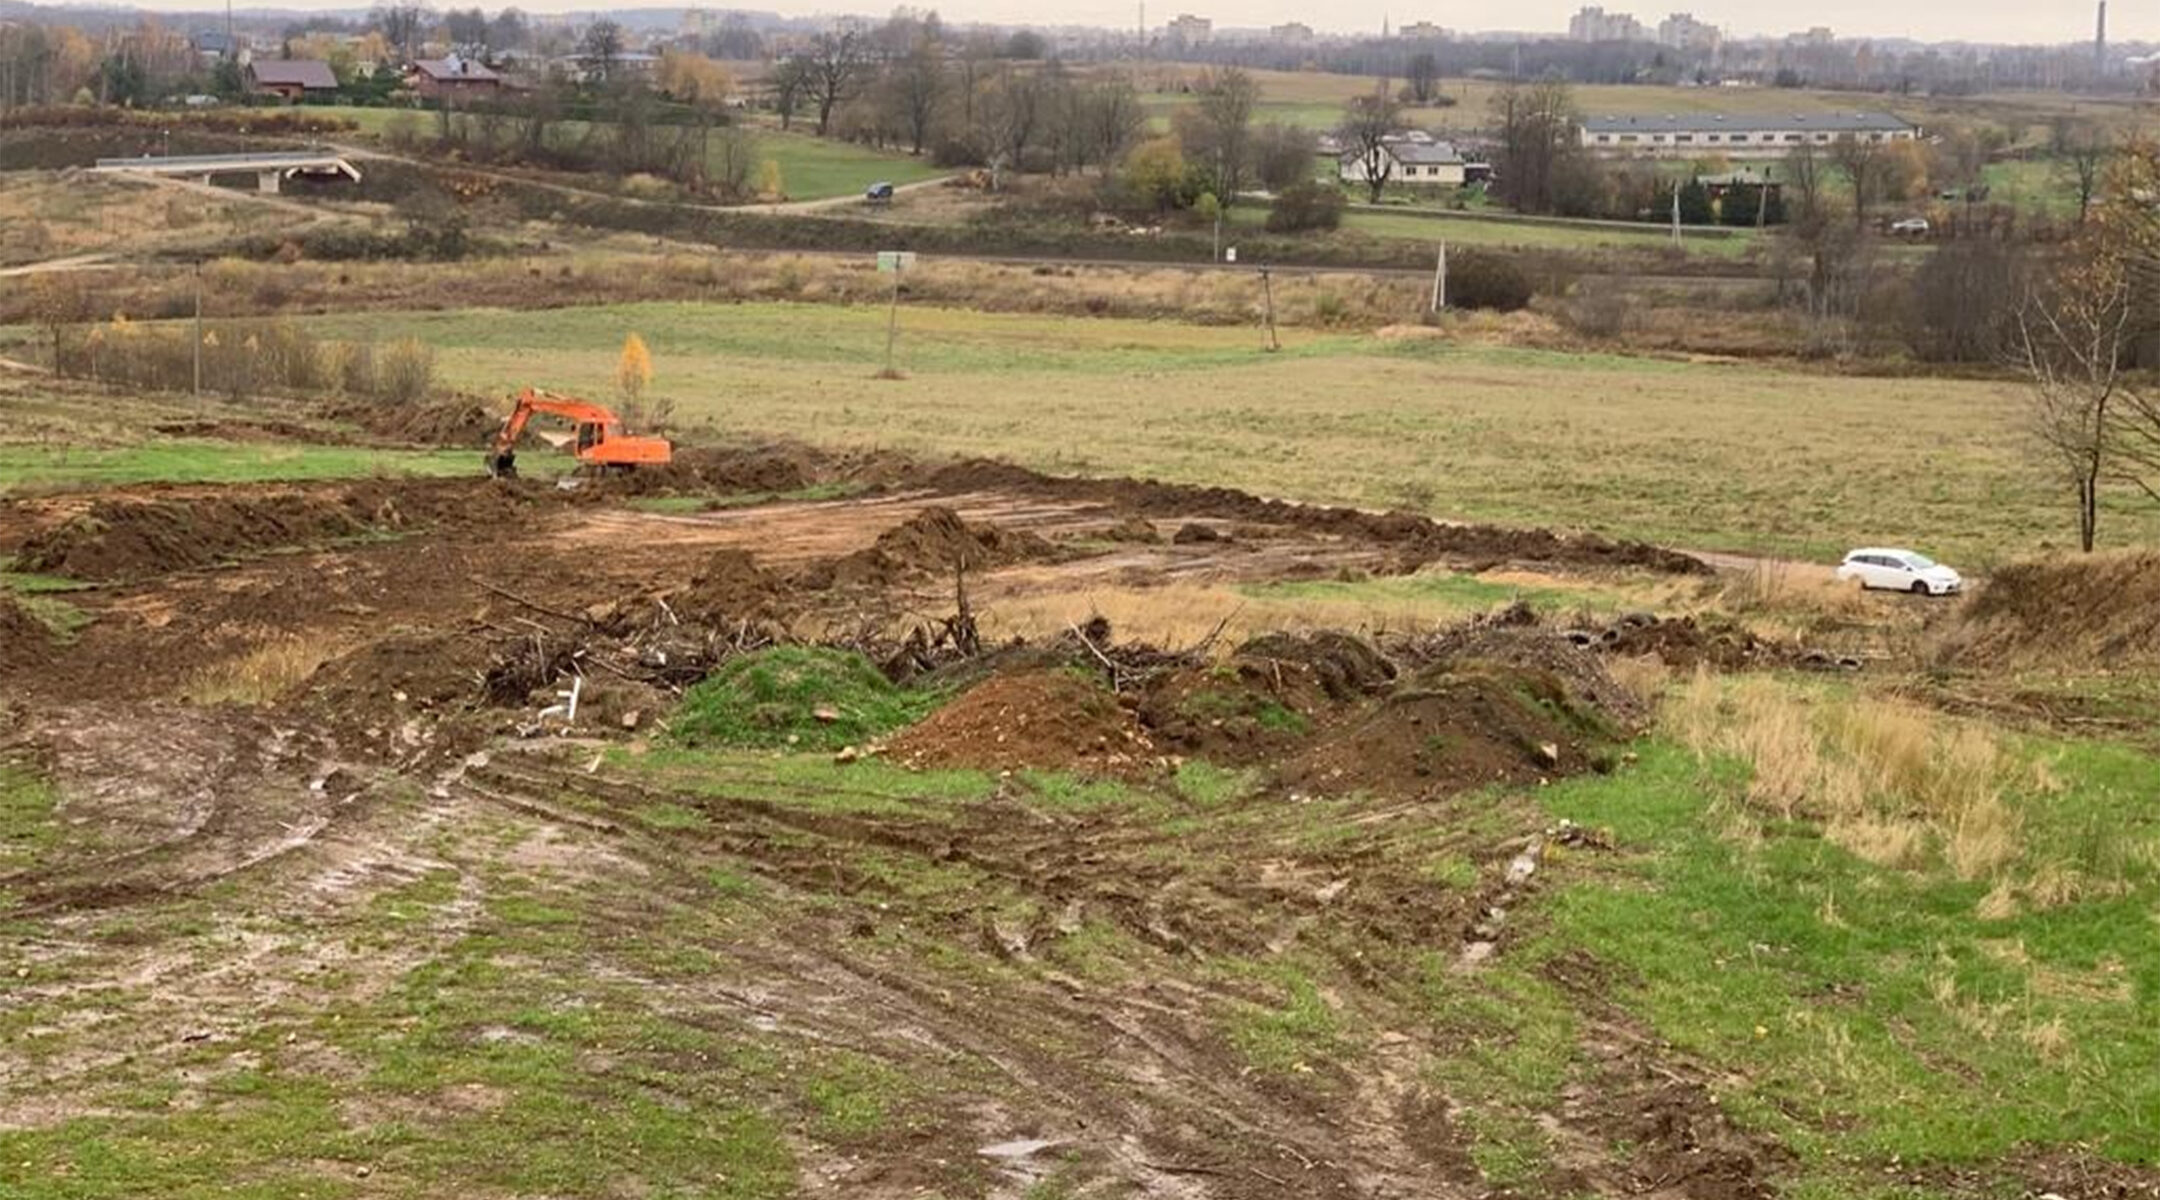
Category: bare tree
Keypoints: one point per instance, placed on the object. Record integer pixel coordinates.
(1423, 75)
(1367, 122)
(790, 84)
(1537, 127)
(2081, 153)
(2071, 344)
(834, 67)
(917, 85)
(1217, 132)
(401, 24)
(1865, 165)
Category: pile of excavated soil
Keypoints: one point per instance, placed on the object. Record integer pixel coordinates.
(255, 430)
(730, 586)
(1506, 640)
(460, 423)
(1685, 642)
(764, 467)
(1445, 731)
(2096, 609)
(407, 671)
(27, 639)
(135, 536)
(933, 542)
(1048, 720)
(1417, 539)
(1266, 699)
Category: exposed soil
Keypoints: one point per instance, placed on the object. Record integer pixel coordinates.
(934, 542)
(152, 532)
(1443, 731)
(26, 638)
(1038, 719)
(1416, 539)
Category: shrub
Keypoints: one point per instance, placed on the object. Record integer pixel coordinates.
(1303, 206)
(1483, 279)
(405, 372)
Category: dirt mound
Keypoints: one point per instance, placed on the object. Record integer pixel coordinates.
(2092, 609)
(1344, 666)
(768, 467)
(1419, 539)
(1044, 720)
(933, 542)
(731, 586)
(1513, 637)
(1446, 731)
(407, 671)
(27, 639)
(1138, 530)
(134, 536)
(465, 421)
(265, 430)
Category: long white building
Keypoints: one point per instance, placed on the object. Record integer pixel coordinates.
(1771, 135)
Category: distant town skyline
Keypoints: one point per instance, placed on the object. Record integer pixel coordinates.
(2003, 21)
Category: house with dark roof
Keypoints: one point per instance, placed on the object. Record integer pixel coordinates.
(1730, 135)
(453, 76)
(291, 79)
(1413, 161)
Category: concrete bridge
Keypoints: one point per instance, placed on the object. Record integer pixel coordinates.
(270, 170)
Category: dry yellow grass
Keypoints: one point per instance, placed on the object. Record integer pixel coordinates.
(1894, 784)
(261, 675)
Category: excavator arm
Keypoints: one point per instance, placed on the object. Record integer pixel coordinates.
(601, 441)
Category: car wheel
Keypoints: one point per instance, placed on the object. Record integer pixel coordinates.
(1920, 587)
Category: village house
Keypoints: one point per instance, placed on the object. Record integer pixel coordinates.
(291, 79)
(1414, 160)
(452, 77)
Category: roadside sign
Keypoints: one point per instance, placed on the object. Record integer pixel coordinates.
(1230, 255)
(895, 260)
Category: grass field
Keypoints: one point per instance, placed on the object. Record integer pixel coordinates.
(39, 467)
(1725, 456)
(1434, 225)
(811, 168)
(1316, 99)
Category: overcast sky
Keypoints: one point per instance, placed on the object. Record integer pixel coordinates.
(2036, 21)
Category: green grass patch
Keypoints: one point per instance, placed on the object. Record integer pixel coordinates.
(180, 460)
(796, 697)
(29, 826)
(60, 618)
(30, 583)
(1211, 786)
(695, 504)
(1295, 1035)
(1874, 1013)
(867, 787)
(853, 1098)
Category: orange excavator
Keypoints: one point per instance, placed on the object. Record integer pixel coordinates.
(601, 443)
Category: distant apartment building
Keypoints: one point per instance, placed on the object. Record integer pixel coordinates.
(1293, 33)
(1683, 32)
(1594, 24)
(1424, 31)
(1689, 135)
(1818, 35)
(1189, 30)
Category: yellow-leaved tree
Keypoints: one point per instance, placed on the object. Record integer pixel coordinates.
(633, 374)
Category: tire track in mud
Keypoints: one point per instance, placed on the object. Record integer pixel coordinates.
(1144, 1083)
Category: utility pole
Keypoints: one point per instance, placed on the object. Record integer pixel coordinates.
(1439, 279)
(1267, 290)
(1676, 212)
(198, 329)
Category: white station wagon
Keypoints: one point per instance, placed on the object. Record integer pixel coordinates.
(1899, 571)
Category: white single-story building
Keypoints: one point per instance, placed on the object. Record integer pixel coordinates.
(1415, 163)
(1685, 135)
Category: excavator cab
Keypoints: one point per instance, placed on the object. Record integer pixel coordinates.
(599, 443)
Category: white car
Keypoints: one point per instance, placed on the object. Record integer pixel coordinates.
(1899, 571)
(1910, 227)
